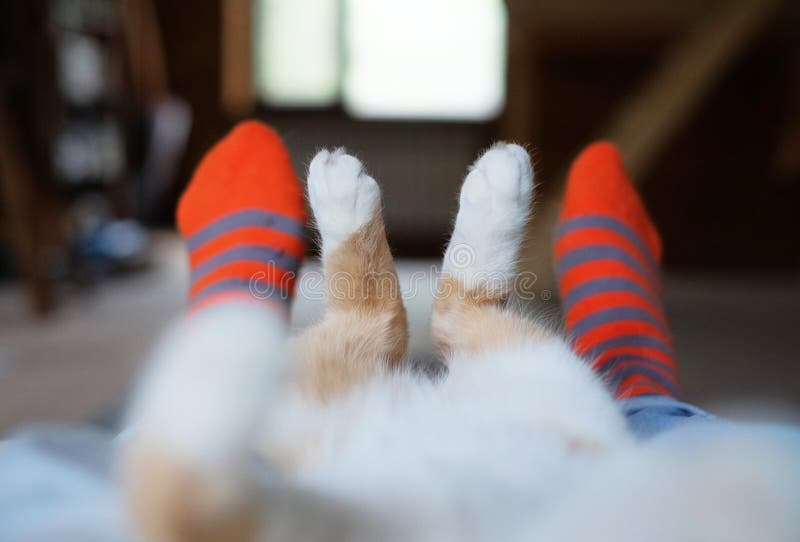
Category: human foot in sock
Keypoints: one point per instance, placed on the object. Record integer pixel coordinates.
(242, 216)
(607, 256)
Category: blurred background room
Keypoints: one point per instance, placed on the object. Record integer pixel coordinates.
(107, 105)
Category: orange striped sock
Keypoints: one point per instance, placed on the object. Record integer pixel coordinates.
(608, 256)
(242, 216)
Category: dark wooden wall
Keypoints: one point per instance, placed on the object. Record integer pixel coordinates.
(716, 192)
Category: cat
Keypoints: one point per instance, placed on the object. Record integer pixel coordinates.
(243, 434)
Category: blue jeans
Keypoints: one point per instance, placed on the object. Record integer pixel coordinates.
(649, 415)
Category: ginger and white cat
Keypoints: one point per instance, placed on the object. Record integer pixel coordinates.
(244, 434)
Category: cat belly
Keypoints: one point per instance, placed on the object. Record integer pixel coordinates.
(495, 443)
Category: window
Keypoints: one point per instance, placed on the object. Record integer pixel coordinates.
(415, 59)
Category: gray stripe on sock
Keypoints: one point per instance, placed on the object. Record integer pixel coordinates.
(610, 363)
(242, 219)
(592, 253)
(609, 223)
(614, 314)
(603, 285)
(257, 289)
(255, 253)
(616, 379)
(633, 341)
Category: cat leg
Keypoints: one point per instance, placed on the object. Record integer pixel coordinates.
(471, 313)
(364, 330)
(187, 473)
(480, 263)
(186, 463)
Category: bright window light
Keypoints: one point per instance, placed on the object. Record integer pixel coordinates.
(409, 59)
(427, 59)
(297, 52)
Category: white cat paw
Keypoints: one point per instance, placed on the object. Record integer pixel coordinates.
(494, 208)
(342, 196)
(500, 181)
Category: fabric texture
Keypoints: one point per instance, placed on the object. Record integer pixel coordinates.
(243, 218)
(650, 415)
(607, 257)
